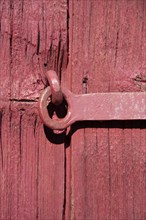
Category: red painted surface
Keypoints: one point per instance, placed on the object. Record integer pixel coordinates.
(94, 46)
(54, 83)
(107, 54)
(92, 107)
(33, 39)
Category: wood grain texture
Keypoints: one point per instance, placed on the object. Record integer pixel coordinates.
(107, 53)
(33, 39)
(101, 173)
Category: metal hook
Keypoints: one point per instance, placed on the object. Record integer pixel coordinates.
(57, 96)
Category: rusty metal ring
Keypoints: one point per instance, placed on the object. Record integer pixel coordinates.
(58, 124)
(57, 96)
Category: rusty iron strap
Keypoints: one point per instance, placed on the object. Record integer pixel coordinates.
(95, 106)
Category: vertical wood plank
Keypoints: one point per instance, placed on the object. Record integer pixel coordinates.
(118, 172)
(5, 60)
(50, 178)
(142, 176)
(107, 54)
(27, 206)
(90, 156)
(5, 155)
(33, 39)
(103, 175)
(139, 156)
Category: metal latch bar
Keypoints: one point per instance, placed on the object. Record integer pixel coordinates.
(94, 106)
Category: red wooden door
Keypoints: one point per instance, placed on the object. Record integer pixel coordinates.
(99, 171)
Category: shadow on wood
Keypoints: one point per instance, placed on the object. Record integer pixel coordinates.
(66, 138)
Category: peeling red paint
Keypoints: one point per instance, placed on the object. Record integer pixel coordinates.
(98, 170)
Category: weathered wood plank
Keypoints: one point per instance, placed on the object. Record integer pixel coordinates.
(139, 169)
(5, 60)
(117, 172)
(107, 53)
(5, 165)
(33, 38)
(107, 47)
